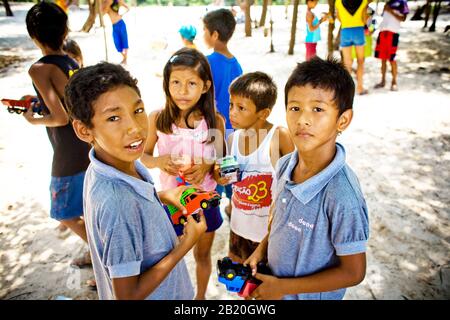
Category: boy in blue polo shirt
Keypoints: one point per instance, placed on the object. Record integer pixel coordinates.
(135, 251)
(319, 225)
(218, 28)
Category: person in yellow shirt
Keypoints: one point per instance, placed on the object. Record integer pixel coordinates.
(352, 14)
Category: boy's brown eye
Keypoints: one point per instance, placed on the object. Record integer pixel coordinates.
(113, 118)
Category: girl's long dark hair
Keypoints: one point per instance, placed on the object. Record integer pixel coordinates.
(187, 58)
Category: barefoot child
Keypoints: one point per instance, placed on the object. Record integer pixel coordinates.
(120, 35)
(188, 127)
(135, 252)
(257, 145)
(218, 29)
(312, 29)
(395, 11)
(319, 228)
(47, 27)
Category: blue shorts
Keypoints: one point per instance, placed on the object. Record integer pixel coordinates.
(66, 197)
(213, 220)
(120, 35)
(352, 37)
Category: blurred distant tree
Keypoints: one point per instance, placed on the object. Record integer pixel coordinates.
(8, 10)
(262, 21)
(91, 17)
(293, 28)
(246, 5)
(287, 3)
(331, 12)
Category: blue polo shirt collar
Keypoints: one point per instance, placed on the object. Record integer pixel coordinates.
(307, 190)
(144, 187)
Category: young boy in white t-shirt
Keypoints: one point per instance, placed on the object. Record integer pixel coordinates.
(257, 145)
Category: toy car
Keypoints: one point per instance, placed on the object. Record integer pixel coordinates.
(21, 106)
(229, 168)
(238, 278)
(193, 200)
(181, 181)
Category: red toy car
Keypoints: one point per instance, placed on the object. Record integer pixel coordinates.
(21, 106)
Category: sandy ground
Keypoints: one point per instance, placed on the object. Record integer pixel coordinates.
(398, 144)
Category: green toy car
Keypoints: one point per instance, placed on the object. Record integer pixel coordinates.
(229, 168)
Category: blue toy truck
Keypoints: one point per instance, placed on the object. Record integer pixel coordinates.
(237, 277)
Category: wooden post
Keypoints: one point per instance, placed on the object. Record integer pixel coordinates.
(248, 19)
(271, 30)
(102, 24)
(262, 21)
(331, 4)
(8, 10)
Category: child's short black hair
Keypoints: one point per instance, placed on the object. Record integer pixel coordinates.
(47, 23)
(256, 86)
(327, 74)
(89, 83)
(222, 21)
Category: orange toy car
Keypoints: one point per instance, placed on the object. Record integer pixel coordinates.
(193, 200)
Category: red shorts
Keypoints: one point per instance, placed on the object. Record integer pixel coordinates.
(387, 44)
(310, 50)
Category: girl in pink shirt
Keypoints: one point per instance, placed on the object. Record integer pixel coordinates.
(189, 135)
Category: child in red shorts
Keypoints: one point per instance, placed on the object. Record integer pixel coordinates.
(394, 12)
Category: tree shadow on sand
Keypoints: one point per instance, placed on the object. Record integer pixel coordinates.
(410, 226)
(35, 259)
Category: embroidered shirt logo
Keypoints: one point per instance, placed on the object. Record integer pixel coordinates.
(299, 226)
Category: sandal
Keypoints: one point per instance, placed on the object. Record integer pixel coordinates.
(82, 262)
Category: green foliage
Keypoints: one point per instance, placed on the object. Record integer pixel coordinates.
(175, 2)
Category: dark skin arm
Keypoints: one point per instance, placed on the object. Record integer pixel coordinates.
(350, 271)
(50, 82)
(140, 286)
(310, 19)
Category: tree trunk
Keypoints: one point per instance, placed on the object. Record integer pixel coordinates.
(331, 12)
(248, 19)
(294, 27)
(262, 21)
(91, 18)
(287, 3)
(8, 10)
(436, 9)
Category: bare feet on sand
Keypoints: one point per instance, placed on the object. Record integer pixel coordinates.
(379, 85)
